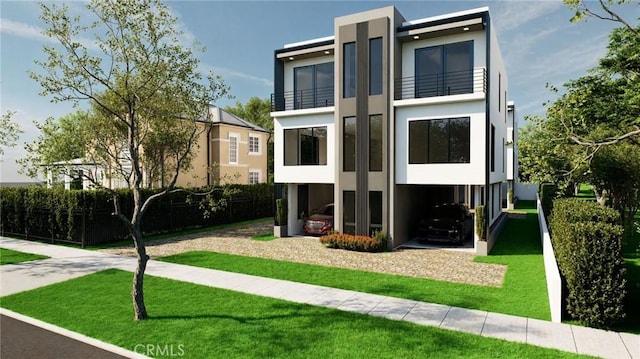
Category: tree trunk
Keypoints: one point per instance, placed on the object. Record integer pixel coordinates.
(137, 292)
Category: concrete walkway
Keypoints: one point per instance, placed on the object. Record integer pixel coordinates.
(66, 263)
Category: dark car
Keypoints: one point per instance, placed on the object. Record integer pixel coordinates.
(447, 222)
(321, 221)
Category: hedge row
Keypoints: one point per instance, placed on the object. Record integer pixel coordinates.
(377, 243)
(588, 245)
(85, 217)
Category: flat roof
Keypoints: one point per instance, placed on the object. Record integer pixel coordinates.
(479, 10)
(309, 42)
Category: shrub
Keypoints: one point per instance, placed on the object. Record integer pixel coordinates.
(548, 192)
(481, 228)
(377, 243)
(510, 195)
(588, 246)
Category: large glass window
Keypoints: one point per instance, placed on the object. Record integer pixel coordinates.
(349, 144)
(349, 212)
(375, 66)
(444, 70)
(313, 86)
(233, 149)
(349, 69)
(375, 143)
(375, 211)
(305, 146)
(439, 141)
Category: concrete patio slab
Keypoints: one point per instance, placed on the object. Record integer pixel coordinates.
(464, 320)
(427, 314)
(603, 343)
(503, 326)
(550, 335)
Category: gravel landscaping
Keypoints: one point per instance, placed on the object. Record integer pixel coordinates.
(438, 264)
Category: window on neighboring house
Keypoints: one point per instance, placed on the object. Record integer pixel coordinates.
(439, 141)
(254, 144)
(349, 212)
(349, 70)
(375, 66)
(375, 211)
(305, 146)
(254, 176)
(313, 86)
(375, 143)
(493, 148)
(444, 70)
(233, 148)
(349, 144)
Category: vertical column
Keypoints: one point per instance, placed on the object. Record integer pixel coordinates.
(362, 128)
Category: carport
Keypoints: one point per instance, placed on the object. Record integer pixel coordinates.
(414, 202)
(304, 198)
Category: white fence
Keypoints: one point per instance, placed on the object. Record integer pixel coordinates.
(554, 283)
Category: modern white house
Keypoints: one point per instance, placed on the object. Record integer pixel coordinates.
(388, 117)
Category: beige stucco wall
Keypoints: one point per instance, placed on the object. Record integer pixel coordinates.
(226, 172)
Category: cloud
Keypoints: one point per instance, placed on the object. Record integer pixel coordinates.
(227, 73)
(510, 15)
(21, 29)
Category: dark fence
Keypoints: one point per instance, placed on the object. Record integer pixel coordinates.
(85, 217)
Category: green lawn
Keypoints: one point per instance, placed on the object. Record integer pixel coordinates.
(264, 237)
(128, 242)
(203, 322)
(8, 256)
(523, 293)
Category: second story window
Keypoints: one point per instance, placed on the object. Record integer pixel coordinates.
(439, 141)
(375, 143)
(305, 146)
(254, 144)
(444, 70)
(349, 70)
(349, 144)
(233, 148)
(313, 86)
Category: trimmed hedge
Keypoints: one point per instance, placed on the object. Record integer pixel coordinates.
(548, 192)
(85, 217)
(377, 243)
(480, 223)
(588, 244)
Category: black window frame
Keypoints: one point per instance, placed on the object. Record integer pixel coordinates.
(349, 165)
(425, 141)
(376, 64)
(443, 77)
(315, 147)
(318, 97)
(349, 68)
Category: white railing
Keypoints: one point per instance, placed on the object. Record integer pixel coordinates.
(554, 282)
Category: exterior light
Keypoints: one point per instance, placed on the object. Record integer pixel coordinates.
(465, 28)
(416, 37)
(291, 58)
(327, 52)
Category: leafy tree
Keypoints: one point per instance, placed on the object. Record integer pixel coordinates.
(63, 139)
(9, 131)
(257, 111)
(142, 84)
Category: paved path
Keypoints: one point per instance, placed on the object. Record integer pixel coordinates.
(70, 262)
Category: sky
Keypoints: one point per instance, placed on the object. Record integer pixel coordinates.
(539, 45)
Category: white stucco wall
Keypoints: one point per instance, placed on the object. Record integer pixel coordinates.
(445, 173)
(304, 174)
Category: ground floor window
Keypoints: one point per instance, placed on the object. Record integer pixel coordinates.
(254, 176)
(349, 212)
(375, 211)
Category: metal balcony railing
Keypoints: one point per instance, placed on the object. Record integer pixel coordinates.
(442, 84)
(301, 99)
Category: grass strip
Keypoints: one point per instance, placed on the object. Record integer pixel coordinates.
(8, 256)
(523, 292)
(203, 322)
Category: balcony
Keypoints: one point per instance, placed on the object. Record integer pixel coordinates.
(302, 99)
(442, 84)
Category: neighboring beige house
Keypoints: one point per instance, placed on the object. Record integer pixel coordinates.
(228, 150)
(234, 148)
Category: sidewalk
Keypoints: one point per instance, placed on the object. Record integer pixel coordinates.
(66, 263)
